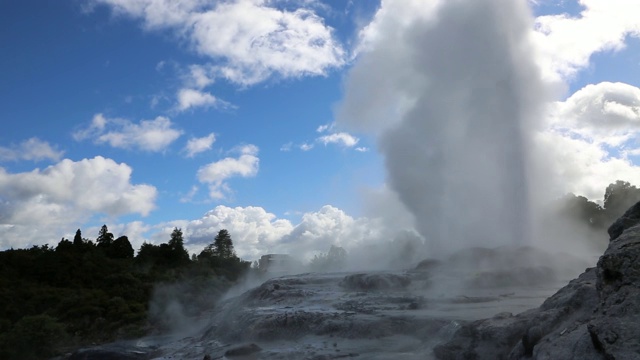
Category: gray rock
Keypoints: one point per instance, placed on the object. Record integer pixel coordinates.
(630, 218)
(428, 264)
(243, 350)
(517, 276)
(596, 316)
(381, 281)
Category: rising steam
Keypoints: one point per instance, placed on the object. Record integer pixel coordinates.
(453, 96)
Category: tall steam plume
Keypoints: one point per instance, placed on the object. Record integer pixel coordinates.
(452, 92)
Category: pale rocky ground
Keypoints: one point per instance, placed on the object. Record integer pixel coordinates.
(365, 315)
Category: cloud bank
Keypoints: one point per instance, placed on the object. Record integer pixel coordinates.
(44, 203)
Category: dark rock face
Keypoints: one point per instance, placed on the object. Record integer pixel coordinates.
(630, 218)
(596, 316)
(382, 281)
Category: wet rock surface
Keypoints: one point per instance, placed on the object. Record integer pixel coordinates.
(375, 315)
(432, 311)
(596, 316)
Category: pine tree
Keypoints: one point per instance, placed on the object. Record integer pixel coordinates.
(223, 245)
(176, 244)
(105, 238)
(77, 240)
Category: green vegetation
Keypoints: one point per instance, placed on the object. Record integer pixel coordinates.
(618, 197)
(80, 292)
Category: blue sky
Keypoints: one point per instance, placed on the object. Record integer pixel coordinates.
(69, 65)
(99, 100)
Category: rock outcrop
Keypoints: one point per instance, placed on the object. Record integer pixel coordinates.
(596, 316)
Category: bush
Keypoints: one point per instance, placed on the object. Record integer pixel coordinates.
(33, 337)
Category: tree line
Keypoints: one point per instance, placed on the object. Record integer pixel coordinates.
(79, 292)
(618, 197)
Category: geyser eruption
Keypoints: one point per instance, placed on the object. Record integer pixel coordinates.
(460, 98)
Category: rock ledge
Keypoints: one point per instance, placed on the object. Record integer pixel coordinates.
(596, 316)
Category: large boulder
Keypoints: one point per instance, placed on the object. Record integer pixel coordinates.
(596, 316)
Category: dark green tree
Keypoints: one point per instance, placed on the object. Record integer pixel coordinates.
(121, 248)
(35, 337)
(105, 238)
(177, 246)
(77, 240)
(64, 245)
(223, 245)
(207, 253)
(148, 253)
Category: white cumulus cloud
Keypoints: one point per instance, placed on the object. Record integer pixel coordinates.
(317, 231)
(591, 136)
(148, 135)
(256, 232)
(217, 173)
(198, 77)
(341, 138)
(606, 113)
(38, 206)
(192, 98)
(250, 40)
(32, 149)
(197, 145)
(566, 43)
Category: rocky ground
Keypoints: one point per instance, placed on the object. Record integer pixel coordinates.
(369, 315)
(596, 316)
(458, 309)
